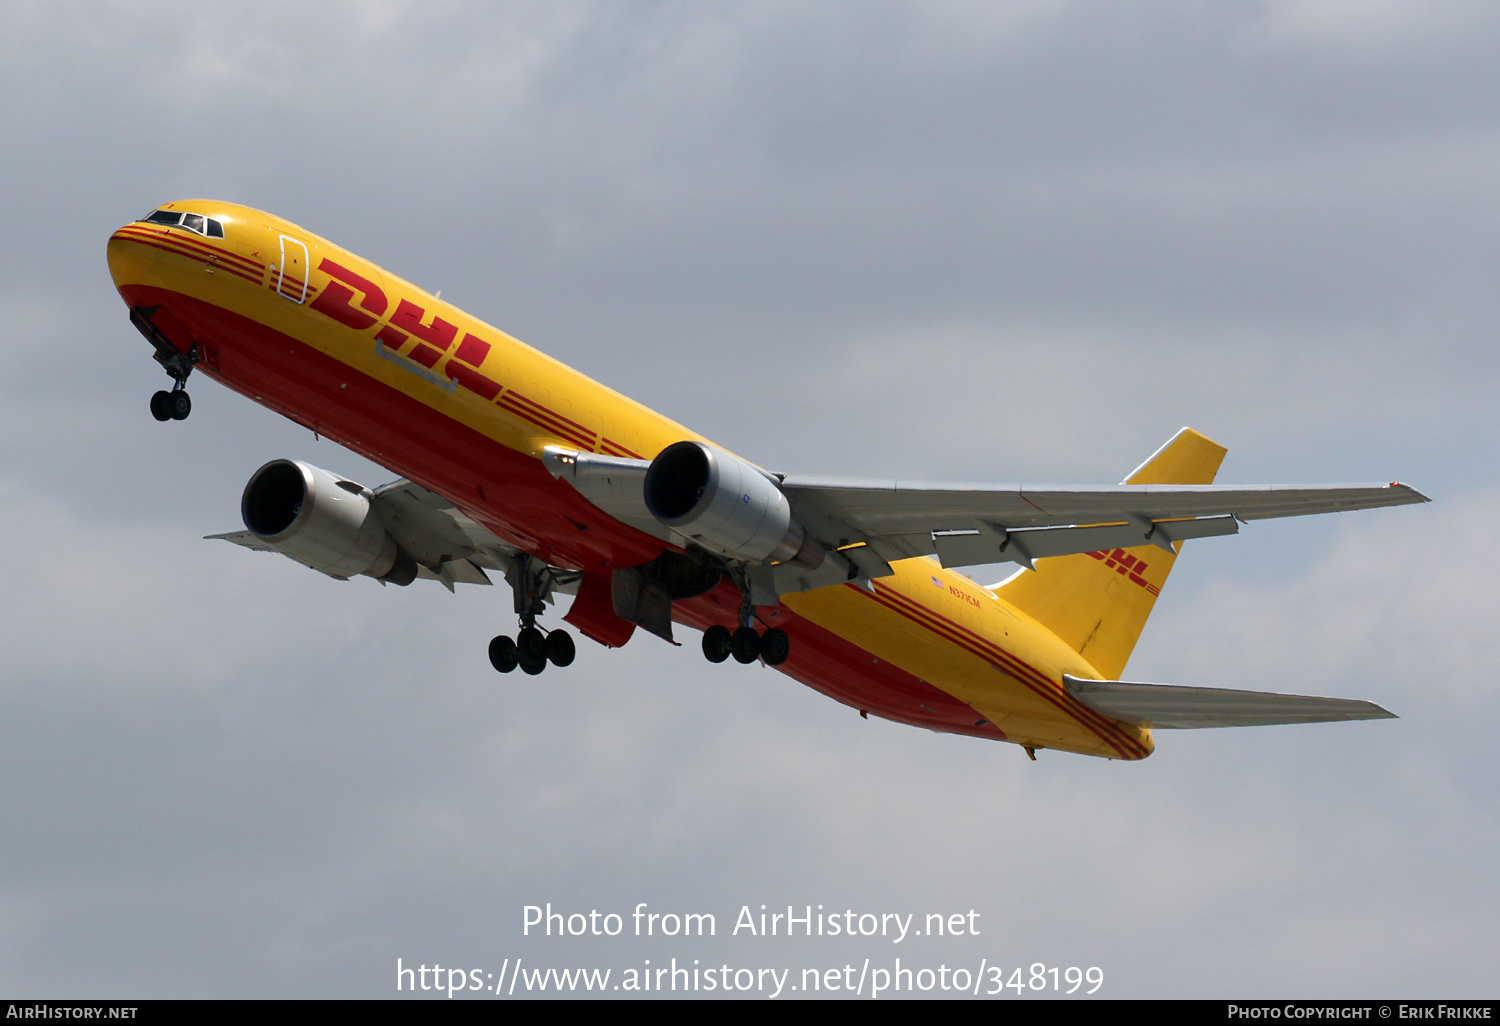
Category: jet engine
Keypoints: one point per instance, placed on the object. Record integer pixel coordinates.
(324, 521)
(726, 505)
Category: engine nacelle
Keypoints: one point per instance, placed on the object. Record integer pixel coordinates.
(725, 505)
(324, 521)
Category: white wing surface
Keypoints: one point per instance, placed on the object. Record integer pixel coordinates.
(874, 522)
(448, 546)
(899, 519)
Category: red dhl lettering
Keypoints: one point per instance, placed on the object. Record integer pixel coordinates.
(472, 350)
(435, 337)
(408, 316)
(433, 341)
(1126, 565)
(334, 299)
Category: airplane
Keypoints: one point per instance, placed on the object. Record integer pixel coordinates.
(513, 465)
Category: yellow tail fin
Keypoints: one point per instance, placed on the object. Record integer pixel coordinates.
(1098, 602)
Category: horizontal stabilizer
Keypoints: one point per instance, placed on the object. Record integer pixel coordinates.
(1169, 706)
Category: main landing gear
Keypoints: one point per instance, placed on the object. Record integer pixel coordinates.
(531, 649)
(719, 642)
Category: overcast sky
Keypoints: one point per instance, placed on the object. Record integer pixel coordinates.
(1018, 241)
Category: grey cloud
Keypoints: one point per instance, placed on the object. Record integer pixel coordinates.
(920, 240)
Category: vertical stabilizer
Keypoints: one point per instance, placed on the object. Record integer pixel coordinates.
(1098, 602)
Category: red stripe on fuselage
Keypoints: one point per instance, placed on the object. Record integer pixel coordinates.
(1103, 727)
(509, 492)
(544, 418)
(572, 424)
(513, 495)
(612, 448)
(167, 246)
(193, 247)
(845, 672)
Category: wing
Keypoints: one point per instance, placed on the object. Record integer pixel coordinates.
(872, 523)
(1168, 706)
(448, 546)
(965, 524)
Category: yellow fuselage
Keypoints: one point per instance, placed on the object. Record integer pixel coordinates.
(396, 374)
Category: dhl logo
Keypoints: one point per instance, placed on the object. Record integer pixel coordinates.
(356, 302)
(1127, 565)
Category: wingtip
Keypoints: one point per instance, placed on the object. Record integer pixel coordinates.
(1416, 496)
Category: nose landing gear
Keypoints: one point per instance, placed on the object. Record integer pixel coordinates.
(165, 405)
(173, 405)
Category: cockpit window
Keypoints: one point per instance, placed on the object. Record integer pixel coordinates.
(209, 226)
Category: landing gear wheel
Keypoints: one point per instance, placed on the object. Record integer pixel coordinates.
(503, 656)
(775, 646)
(560, 648)
(533, 667)
(531, 644)
(745, 645)
(179, 405)
(716, 643)
(159, 405)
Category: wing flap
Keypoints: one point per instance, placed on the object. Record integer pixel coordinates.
(993, 545)
(1171, 706)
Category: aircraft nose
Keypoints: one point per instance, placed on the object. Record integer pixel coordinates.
(130, 256)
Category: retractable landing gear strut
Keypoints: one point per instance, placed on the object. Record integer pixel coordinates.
(176, 404)
(719, 643)
(530, 581)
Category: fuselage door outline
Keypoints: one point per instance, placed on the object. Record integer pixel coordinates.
(292, 276)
